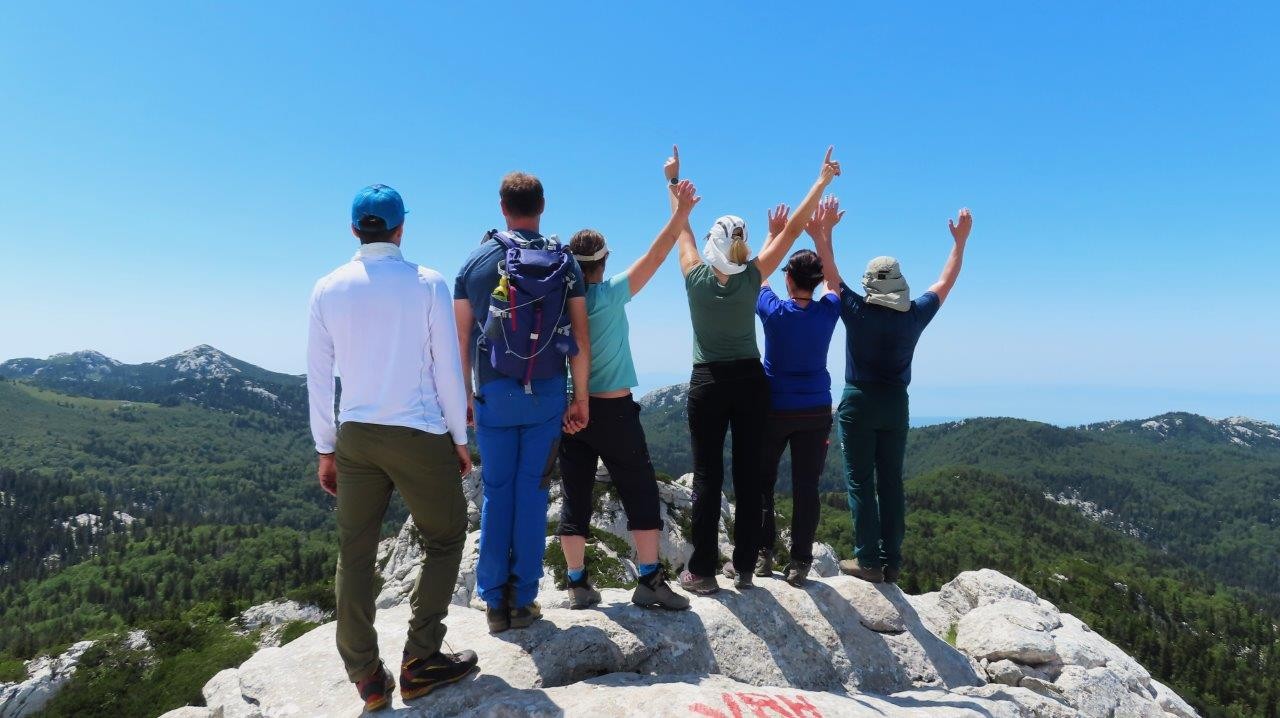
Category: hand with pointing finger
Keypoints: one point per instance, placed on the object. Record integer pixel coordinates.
(830, 167)
(672, 166)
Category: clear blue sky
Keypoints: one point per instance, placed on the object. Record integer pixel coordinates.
(180, 173)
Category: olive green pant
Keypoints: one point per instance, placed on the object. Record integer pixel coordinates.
(372, 460)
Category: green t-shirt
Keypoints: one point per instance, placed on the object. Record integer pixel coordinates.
(611, 365)
(724, 315)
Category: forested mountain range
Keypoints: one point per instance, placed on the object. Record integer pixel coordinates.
(135, 494)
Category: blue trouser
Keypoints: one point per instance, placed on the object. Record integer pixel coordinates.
(518, 434)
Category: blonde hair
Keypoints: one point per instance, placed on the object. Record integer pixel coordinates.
(739, 252)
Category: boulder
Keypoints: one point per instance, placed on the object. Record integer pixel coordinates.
(815, 639)
(46, 676)
(1009, 628)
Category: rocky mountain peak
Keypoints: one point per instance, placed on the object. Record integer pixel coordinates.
(201, 362)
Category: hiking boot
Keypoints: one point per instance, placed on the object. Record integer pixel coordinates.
(420, 676)
(740, 580)
(891, 573)
(798, 573)
(376, 689)
(699, 585)
(764, 564)
(499, 618)
(524, 616)
(851, 567)
(652, 591)
(582, 595)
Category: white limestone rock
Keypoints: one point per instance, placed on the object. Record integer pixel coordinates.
(46, 676)
(1009, 628)
(825, 562)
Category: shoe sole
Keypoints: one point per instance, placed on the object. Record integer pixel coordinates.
(701, 591)
(525, 624)
(584, 606)
(499, 629)
(659, 604)
(420, 692)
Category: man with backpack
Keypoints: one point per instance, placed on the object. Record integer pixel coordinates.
(520, 307)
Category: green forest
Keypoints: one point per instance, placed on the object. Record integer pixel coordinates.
(204, 509)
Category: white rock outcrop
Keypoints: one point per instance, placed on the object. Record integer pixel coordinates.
(1019, 639)
(46, 676)
(273, 616)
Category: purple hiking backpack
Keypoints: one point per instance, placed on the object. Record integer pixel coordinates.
(528, 329)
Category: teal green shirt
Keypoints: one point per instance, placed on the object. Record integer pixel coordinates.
(724, 315)
(611, 365)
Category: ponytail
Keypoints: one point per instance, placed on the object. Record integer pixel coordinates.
(738, 251)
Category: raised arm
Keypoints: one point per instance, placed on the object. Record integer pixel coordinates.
(771, 256)
(960, 233)
(684, 197)
(777, 220)
(820, 228)
(689, 257)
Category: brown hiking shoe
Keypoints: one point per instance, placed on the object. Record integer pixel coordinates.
(740, 580)
(798, 573)
(764, 564)
(700, 585)
(851, 567)
(891, 573)
(524, 616)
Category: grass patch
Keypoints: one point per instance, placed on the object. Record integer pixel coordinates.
(951, 635)
(295, 629)
(12, 670)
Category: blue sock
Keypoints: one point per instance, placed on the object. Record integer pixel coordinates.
(576, 574)
(647, 568)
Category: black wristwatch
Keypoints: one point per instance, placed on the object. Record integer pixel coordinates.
(675, 181)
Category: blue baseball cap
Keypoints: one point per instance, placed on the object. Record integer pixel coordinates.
(379, 201)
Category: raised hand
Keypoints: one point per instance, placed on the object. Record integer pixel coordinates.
(686, 198)
(961, 225)
(778, 219)
(817, 226)
(672, 166)
(830, 168)
(833, 214)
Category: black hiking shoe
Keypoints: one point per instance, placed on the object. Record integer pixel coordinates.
(798, 573)
(891, 573)
(764, 564)
(420, 676)
(582, 595)
(652, 591)
(740, 580)
(376, 689)
(699, 585)
(851, 567)
(524, 616)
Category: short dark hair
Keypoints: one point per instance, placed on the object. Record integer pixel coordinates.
(588, 242)
(521, 194)
(805, 269)
(374, 229)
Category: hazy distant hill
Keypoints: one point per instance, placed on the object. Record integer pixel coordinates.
(201, 375)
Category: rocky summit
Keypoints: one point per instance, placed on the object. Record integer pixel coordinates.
(983, 645)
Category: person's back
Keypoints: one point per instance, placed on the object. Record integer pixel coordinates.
(387, 325)
(882, 341)
(724, 328)
(380, 383)
(796, 341)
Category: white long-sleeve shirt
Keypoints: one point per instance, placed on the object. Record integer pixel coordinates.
(388, 326)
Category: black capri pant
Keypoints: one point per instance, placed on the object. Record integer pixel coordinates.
(615, 436)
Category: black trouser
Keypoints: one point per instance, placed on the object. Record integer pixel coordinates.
(807, 432)
(616, 437)
(722, 396)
